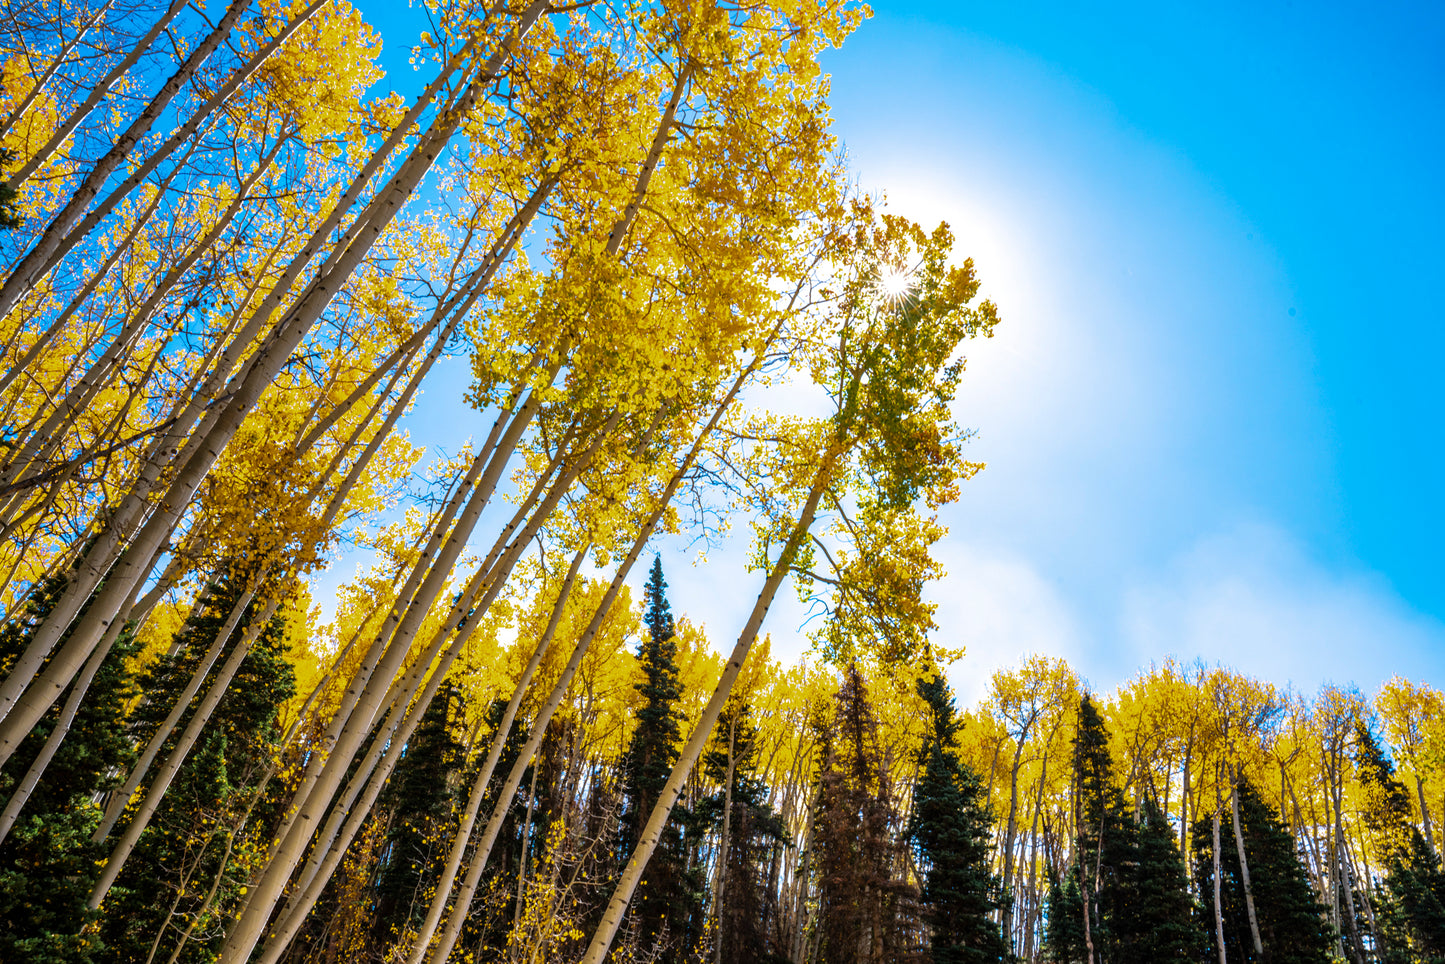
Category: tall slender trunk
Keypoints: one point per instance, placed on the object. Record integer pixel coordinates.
(22, 792)
(376, 695)
(177, 757)
(48, 74)
(18, 694)
(1244, 867)
(720, 878)
(97, 94)
(1218, 895)
(667, 798)
(118, 799)
(452, 929)
(483, 779)
(42, 256)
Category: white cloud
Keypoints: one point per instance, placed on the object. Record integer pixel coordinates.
(1000, 608)
(1253, 598)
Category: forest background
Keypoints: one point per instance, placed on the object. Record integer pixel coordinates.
(225, 290)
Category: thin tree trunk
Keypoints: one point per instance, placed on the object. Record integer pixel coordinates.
(42, 257)
(121, 797)
(21, 109)
(27, 785)
(720, 881)
(447, 940)
(1244, 869)
(374, 698)
(177, 756)
(96, 95)
(18, 693)
(652, 832)
(1218, 896)
(494, 752)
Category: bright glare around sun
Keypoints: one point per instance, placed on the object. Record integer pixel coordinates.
(895, 282)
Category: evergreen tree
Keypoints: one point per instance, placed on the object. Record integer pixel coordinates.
(1161, 924)
(1126, 871)
(753, 832)
(1411, 912)
(1292, 924)
(665, 915)
(188, 869)
(950, 831)
(1104, 851)
(1064, 923)
(418, 800)
(48, 863)
(865, 911)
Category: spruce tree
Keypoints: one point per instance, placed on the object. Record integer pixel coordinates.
(48, 862)
(1125, 870)
(866, 911)
(187, 872)
(753, 830)
(1411, 914)
(1161, 924)
(1292, 924)
(1064, 924)
(1104, 851)
(949, 829)
(665, 915)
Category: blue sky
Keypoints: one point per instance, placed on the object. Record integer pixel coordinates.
(1211, 416)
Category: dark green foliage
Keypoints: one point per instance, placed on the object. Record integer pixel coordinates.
(1292, 924)
(865, 910)
(754, 833)
(186, 872)
(666, 912)
(1064, 924)
(9, 217)
(1127, 866)
(47, 863)
(1411, 907)
(1104, 852)
(949, 829)
(419, 799)
(1159, 922)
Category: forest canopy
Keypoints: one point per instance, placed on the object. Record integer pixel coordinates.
(232, 261)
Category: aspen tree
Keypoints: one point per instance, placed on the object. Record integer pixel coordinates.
(890, 378)
(200, 452)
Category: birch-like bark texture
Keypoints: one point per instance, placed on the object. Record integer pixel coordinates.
(652, 832)
(1244, 867)
(244, 284)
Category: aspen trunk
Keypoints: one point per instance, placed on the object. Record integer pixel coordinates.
(652, 832)
(1218, 897)
(22, 792)
(374, 696)
(216, 429)
(1244, 870)
(93, 99)
(447, 940)
(720, 882)
(118, 800)
(180, 136)
(68, 47)
(41, 258)
(484, 776)
(177, 757)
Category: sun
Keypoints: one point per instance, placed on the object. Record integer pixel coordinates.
(895, 282)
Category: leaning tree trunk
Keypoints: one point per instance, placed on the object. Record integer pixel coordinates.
(1244, 869)
(652, 832)
(1218, 883)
